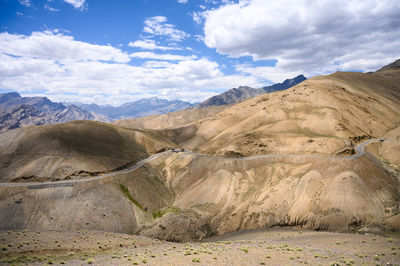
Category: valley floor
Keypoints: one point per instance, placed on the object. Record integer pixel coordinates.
(276, 246)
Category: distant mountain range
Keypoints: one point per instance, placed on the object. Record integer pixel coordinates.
(242, 93)
(17, 111)
(140, 108)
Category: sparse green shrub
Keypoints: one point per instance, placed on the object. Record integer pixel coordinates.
(160, 213)
(126, 192)
(244, 249)
(196, 260)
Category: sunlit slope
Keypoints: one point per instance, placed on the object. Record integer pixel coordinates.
(183, 197)
(171, 120)
(72, 150)
(230, 195)
(317, 116)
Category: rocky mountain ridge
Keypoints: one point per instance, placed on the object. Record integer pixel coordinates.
(236, 95)
(135, 109)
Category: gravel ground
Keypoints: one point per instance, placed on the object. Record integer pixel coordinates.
(277, 246)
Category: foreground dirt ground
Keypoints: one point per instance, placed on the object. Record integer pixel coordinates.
(277, 246)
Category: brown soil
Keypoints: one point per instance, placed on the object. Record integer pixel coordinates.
(277, 246)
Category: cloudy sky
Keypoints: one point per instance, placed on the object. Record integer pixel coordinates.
(111, 52)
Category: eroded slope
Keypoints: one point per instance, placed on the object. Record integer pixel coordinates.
(72, 150)
(317, 116)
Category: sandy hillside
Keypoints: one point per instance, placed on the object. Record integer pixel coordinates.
(72, 150)
(185, 196)
(319, 116)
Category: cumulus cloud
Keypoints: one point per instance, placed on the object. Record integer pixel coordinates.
(172, 57)
(56, 46)
(150, 45)
(65, 69)
(182, 1)
(157, 26)
(308, 36)
(78, 4)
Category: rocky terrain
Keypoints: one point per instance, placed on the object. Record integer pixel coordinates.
(319, 116)
(17, 111)
(72, 150)
(287, 158)
(242, 93)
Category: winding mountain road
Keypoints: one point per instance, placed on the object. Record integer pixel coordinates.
(359, 151)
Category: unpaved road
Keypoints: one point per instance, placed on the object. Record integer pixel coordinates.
(359, 151)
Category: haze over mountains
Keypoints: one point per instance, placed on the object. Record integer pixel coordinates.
(274, 159)
(142, 107)
(17, 111)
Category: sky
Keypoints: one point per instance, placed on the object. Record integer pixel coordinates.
(116, 51)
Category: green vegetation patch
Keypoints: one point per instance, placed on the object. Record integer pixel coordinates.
(160, 213)
(126, 192)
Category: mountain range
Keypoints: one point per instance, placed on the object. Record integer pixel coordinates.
(286, 158)
(139, 108)
(17, 111)
(236, 95)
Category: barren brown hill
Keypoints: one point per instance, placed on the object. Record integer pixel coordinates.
(72, 150)
(176, 119)
(319, 116)
(185, 196)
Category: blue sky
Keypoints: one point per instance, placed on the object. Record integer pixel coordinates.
(122, 50)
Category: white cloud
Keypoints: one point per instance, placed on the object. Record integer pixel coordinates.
(55, 46)
(150, 45)
(151, 55)
(78, 4)
(308, 36)
(275, 74)
(182, 1)
(198, 17)
(157, 26)
(52, 9)
(27, 3)
(65, 69)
